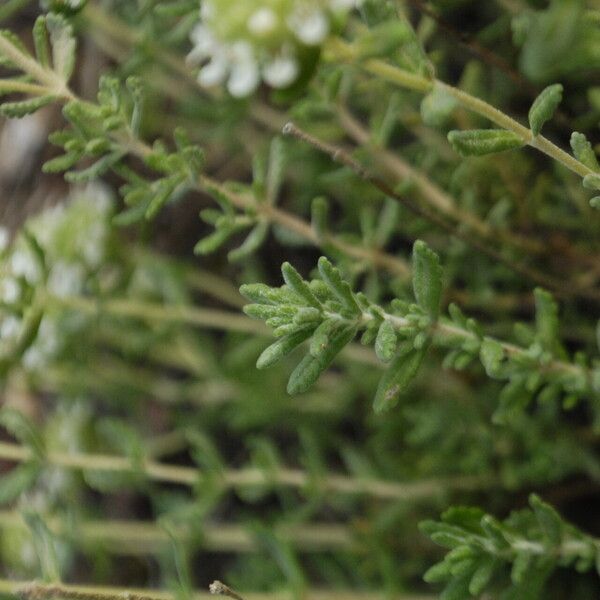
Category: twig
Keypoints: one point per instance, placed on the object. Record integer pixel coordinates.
(341, 156)
(220, 589)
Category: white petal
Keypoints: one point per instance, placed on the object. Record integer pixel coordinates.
(281, 71)
(311, 28)
(244, 79)
(262, 21)
(207, 10)
(204, 44)
(214, 72)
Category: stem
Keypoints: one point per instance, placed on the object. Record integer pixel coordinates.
(340, 156)
(47, 591)
(252, 476)
(343, 51)
(202, 317)
(139, 538)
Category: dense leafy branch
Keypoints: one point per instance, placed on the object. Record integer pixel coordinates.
(326, 312)
(531, 542)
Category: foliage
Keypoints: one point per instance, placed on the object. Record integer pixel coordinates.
(428, 175)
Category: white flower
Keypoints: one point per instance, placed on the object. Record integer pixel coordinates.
(23, 264)
(66, 279)
(10, 327)
(310, 26)
(263, 21)
(10, 290)
(281, 71)
(215, 72)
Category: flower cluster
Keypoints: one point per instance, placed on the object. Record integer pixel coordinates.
(241, 43)
(63, 246)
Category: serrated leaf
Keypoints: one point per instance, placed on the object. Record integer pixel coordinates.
(479, 142)
(544, 106)
(583, 151)
(17, 110)
(282, 347)
(397, 377)
(427, 278)
(386, 342)
(309, 369)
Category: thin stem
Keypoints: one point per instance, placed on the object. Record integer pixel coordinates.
(139, 538)
(52, 591)
(251, 476)
(201, 317)
(340, 156)
(343, 51)
(220, 589)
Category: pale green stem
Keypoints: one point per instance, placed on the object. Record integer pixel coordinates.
(343, 51)
(63, 591)
(138, 538)
(252, 476)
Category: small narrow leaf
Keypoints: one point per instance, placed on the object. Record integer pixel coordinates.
(294, 280)
(40, 40)
(548, 519)
(252, 243)
(544, 106)
(331, 276)
(23, 429)
(427, 278)
(16, 110)
(492, 355)
(478, 142)
(282, 347)
(546, 319)
(592, 181)
(63, 45)
(398, 376)
(583, 151)
(386, 341)
(309, 369)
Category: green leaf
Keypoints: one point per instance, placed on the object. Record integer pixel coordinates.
(16, 110)
(319, 216)
(294, 280)
(478, 142)
(63, 45)
(583, 151)
(397, 377)
(23, 429)
(331, 276)
(252, 243)
(45, 546)
(214, 241)
(40, 40)
(282, 347)
(18, 480)
(544, 106)
(592, 181)
(482, 575)
(386, 341)
(427, 278)
(549, 520)
(492, 355)
(437, 106)
(309, 369)
(277, 162)
(546, 320)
